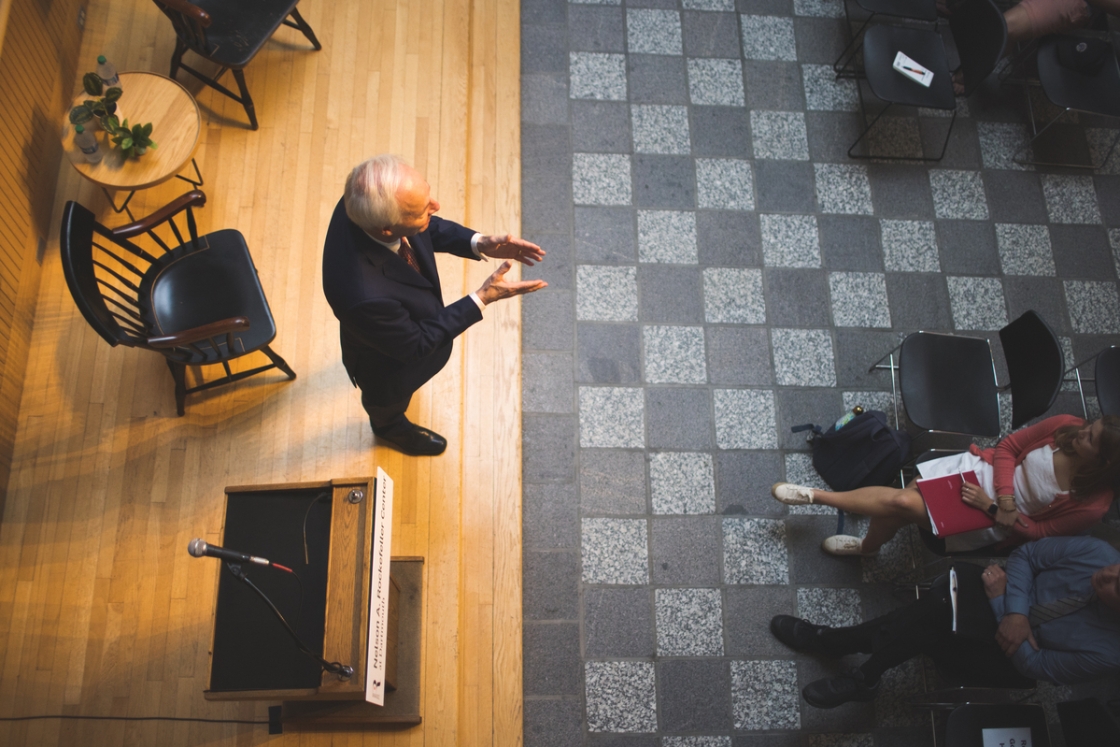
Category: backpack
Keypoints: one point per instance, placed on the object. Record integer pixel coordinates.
(865, 451)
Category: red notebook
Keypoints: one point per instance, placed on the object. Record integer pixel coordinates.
(948, 514)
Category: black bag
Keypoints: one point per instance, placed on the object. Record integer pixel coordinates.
(864, 452)
(1085, 56)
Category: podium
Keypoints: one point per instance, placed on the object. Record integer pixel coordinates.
(347, 599)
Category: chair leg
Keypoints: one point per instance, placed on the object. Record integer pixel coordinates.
(177, 57)
(848, 56)
(179, 374)
(246, 99)
(305, 27)
(278, 361)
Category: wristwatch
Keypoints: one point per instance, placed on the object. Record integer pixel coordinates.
(992, 510)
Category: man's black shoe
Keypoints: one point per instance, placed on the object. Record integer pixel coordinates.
(843, 688)
(799, 635)
(413, 440)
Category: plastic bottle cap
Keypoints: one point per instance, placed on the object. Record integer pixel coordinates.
(100, 59)
(79, 129)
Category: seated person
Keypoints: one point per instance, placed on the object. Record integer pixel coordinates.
(1051, 479)
(1031, 19)
(1054, 616)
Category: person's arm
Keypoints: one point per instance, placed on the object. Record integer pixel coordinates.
(386, 326)
(1073, 518)
(449, 237)
(1008, 450)
(1061, 667)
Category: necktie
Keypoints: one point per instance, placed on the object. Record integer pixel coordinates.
(408, 255)
(1041, 613)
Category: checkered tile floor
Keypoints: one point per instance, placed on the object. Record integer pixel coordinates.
(720, 270)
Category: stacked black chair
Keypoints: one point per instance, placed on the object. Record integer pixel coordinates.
(1106, 376)
(907, 10)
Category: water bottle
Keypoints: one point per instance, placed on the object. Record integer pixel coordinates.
(848, 417)
(107, 72)
(88, 144)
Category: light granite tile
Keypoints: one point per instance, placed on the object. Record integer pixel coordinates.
(790, 241)
(1070, 199)
(682, 483)
(780, 136)
(667, 236)
(958, 194)
(803, 357)
(621, 696)
(843, 189)
(660, 129)
(836, 608)
(696, 741)
(724, 184)
(1094, 308)
(1114, 240)
(615, 551)
(764, 695)
(1101, 140)
(651, 31)
(689, 622)
(611, 417)
(733, 296)
(716, 82)
(595, 75)
(1000, 141)
(977, 303)
(754, 551)
(745, 419)
(606, 294)
(823, 92)
(1024, 249)
(768, 38)
(708, 4)
(674, 355)
(800, 471)
(601, 179)
(859, 299)
(909, 246)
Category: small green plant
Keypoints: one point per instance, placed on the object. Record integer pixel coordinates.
(100, 108)
(132, 141)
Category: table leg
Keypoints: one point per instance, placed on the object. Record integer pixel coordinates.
(197, 173)
(124, 207)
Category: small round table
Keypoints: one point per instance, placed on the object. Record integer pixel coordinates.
(176, 126)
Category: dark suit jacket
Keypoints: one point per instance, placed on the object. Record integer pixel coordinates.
(396, 332)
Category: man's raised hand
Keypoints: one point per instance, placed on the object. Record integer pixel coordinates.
(511, 247)
(496, 288)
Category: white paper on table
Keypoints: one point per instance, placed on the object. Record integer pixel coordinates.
(1007, 736)
(380, 552)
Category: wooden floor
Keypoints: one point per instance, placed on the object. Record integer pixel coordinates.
(102, 611)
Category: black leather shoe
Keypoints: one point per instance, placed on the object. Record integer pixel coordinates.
(799, 635)
(843, 688)
(413, 440)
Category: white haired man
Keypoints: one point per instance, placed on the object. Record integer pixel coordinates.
(380, 278)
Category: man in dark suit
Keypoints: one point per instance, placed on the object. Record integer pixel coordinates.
(380, 278)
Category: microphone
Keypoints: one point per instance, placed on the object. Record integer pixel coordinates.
(199, 547)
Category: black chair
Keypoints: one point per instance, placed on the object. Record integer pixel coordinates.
(966, 724)
(196, 301)
(980, 33)
(948, 383)
(909, 10)
(1106, 376)
(1087, 723)
(1096, 92)
(229, 33)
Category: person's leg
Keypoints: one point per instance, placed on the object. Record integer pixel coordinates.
(890, 509)
(391, 426)
(385, 418)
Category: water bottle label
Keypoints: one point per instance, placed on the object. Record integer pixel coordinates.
(110, 82)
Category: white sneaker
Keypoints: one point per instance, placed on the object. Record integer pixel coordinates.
(845, 545)
(792, 495)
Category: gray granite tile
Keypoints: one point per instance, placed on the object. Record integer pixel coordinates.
(601, 179)
(674, 355)
(1015, 197)
(595, 29)
(901, 191)
(850, 242)
(544, 99)
(618, 623)
(547, 383)
(660, 129)
(824, 93)
(835, 608)
(550, 516)
(724, 184)
(859, 299)
(621, 696)
(686, 550)
(1070, 199)
(553, 722)
(764, 695)
(843, 188)
(662, 181)
(682, 483)
(909, 246)
(653, 31)
(768, 38)
(551, 658)
(1042, 294)
(728, 239)
(808, 565)
(999, 143)
(738, 356)
(689, 622)
(893, 137)
(856, 350)
(819, 8)
(670, 294)
(547, 321)
(968, 247)
(543, 12)
(790, 241)
(749, 611)
(800, 406)
(820, 40)
(1093, 307)
(609, 353)
(615, 551)
(606, 294)
(605, 235)
(754, 551)
(720, 132)
(600, 127)
(830, 134)
(1024, 249)
(733, 296)
(694, 695)
(779, 135)
(977, 303)
(800, 471)
(1081, 252)
(559, 270)
(597, 75)
(716, 82)
(667, 236)
(612, 482)
(549, 445)
(743, 480)
(657, 79)
(711, 34)
(1108, 197)
(918, 301)
(900, 685)
(549, 43)
(679, 418)
(550, 585)
(745, 418)
(611, 417)
(774, 85)
(783, 187)
(958, 194)
(803, 357)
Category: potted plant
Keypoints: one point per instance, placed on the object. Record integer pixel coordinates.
(133, 141)
(95, 110)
